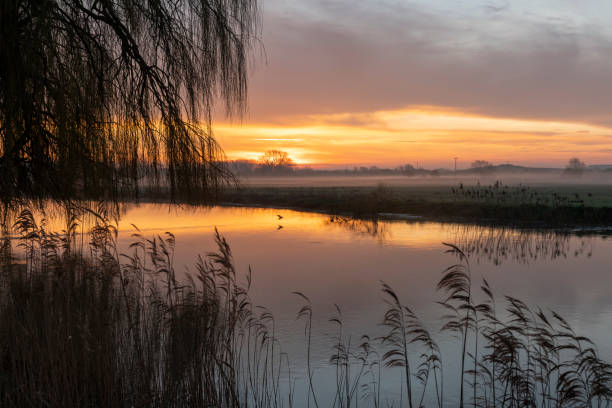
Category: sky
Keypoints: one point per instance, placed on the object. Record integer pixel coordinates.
(343, 83)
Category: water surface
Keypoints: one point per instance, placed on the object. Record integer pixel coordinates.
(342, 261)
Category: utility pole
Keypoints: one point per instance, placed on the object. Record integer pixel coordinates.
(455, 158)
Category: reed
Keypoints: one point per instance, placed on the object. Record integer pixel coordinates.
(83, 325)
(121, 330)
(344, 358)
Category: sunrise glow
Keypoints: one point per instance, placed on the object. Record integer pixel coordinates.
(427, 135)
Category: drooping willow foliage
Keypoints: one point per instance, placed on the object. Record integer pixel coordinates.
(104, 99)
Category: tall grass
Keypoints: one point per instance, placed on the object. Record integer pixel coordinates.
(83, 325)
(120, 330)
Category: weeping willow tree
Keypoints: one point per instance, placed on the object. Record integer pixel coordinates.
(101, 99)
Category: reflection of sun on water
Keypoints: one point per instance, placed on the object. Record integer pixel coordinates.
(154, 218)
(495, 244)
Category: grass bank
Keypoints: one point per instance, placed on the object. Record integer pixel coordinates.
(543, 206)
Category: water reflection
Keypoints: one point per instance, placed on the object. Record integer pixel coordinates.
(491, 244)
(373, 228)
(499, 244)
(480, 243)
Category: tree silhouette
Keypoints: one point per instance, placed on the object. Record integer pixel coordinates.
(477, 164)
(276, 161)
(275, 158)
(574, 167)
(100, 98)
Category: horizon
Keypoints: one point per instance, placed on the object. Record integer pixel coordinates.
(391, 166)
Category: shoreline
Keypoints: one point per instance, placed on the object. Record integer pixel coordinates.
(392, 203)
(393, 217)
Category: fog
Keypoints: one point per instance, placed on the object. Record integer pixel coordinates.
(552, 178)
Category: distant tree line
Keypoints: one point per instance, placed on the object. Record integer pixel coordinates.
(278, 163)
(272, 162)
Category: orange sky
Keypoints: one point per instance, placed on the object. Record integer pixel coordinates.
(429, 135)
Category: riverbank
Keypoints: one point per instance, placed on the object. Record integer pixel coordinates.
(574, 206)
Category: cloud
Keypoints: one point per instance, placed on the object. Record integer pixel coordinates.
(493, 58)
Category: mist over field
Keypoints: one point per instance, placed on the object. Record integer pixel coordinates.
(554, 178)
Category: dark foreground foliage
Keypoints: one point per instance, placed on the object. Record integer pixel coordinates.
(100, 99)
(82, 325)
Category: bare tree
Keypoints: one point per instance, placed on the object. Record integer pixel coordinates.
(575, 167)
(275, 158)
(97, 96)
(276, 161)
(480, 164)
